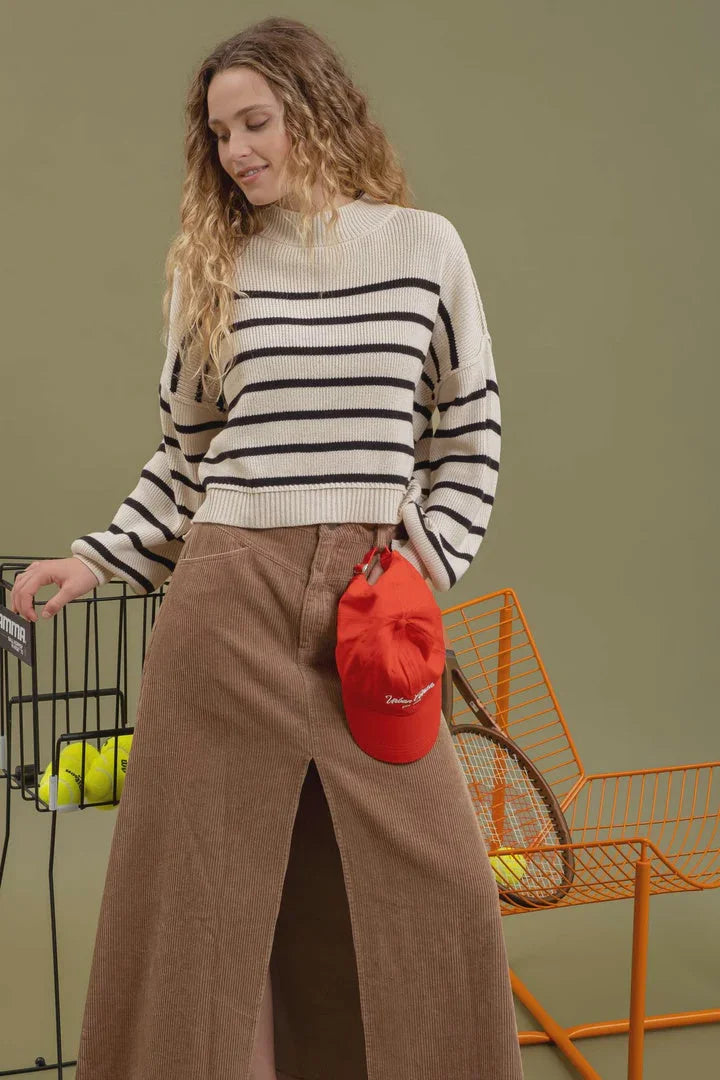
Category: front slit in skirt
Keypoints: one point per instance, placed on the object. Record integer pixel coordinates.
(253, 834)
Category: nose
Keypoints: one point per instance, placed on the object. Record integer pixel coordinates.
(238, 144)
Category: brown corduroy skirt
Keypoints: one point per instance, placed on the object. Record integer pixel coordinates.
(253, 834)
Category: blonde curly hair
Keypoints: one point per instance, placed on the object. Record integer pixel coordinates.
(332, 139)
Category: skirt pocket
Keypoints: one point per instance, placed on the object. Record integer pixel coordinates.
(208, 541)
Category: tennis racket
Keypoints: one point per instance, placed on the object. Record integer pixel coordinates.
(515, 806)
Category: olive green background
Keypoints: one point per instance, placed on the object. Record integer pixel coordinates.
(575, 147)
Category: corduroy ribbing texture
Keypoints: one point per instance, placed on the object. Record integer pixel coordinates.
(253, 834)
(341, 361)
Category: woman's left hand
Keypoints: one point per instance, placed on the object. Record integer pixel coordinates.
(375, 571)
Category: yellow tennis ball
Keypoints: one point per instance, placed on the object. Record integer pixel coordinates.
(124, 741)
(69, 776)
(69, 786)
(71, 756)
(508, 869)
(100, 777)
(44, 785)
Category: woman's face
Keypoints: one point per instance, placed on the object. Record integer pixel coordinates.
(245, 118)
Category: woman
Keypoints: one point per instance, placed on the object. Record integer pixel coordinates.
(279, 902)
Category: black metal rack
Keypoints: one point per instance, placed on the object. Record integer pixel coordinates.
(74, 680)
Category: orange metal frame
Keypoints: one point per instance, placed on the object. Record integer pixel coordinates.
(634, 833)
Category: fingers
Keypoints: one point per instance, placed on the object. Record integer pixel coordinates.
(376, 571)
(55, 602)
(69, 574)
(23, 591)
(27, 584)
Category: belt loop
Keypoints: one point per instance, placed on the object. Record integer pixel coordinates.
(377, 532)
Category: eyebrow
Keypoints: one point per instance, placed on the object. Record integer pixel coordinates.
(247, 108)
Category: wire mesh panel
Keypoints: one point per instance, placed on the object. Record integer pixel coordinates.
(499, 657)
(676, 809)
(580, 840)
(71, 679)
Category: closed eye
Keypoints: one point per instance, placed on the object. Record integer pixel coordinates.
(251, 127)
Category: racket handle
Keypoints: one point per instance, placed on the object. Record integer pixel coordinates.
(447, 687)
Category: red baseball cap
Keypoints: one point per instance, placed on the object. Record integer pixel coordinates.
(390, 655)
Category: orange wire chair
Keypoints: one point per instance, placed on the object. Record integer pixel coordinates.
(633, 833)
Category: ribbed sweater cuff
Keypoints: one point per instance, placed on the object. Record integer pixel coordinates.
(101, 573)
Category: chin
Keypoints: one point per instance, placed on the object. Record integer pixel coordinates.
(260, 200)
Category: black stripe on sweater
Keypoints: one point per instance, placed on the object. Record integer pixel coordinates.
(327, 350)
(325, 447)
(327, 381)
(108, 556)
(143, 511)
(333, 320)
(315, 480)
(351, 290)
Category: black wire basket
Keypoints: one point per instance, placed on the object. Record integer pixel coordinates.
(68, 695)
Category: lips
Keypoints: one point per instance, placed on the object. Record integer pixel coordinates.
(244, 176)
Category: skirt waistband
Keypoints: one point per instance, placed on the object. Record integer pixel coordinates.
(329, 548)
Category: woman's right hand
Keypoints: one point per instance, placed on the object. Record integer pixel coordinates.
(72, 575)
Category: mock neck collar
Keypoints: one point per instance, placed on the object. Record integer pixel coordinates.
(363, 215)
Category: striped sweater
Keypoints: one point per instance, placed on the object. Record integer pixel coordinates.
(339, 368)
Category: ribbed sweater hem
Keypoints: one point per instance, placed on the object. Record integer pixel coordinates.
(300, 505)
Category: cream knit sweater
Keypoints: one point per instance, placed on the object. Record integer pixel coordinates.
(326, 412)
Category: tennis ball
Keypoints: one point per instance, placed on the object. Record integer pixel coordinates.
(69, 786)
(124, 741)
(71, 756)
(100, 777)
(69, 777)
(508, 869)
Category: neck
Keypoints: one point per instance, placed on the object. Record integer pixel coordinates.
(354, 219)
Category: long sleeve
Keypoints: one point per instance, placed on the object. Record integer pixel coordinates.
(144, 539)
(449, 501)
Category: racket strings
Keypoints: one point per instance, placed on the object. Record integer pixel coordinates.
(511, 812)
